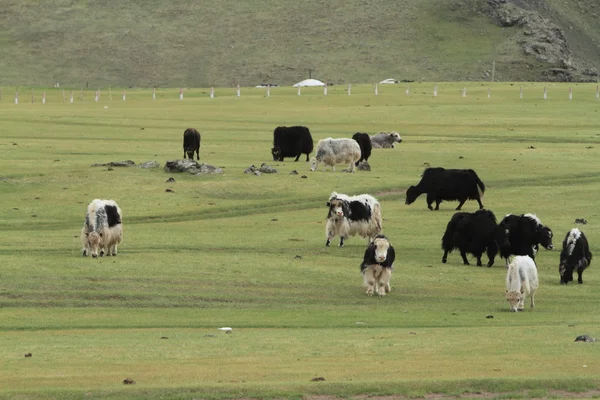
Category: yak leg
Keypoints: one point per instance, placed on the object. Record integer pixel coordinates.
(437, 203)
(445, 256)
(462, 201)
(430, 200)
(492, 250)
(463, 254)
(197, 154)
(383, 283)
(342, 241)
(580, 276)
(298, 156)
(480, 203)
(369, 280)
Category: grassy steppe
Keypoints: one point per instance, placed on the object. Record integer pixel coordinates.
(222, 250)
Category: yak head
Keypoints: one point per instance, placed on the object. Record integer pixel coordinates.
(94, 242)
(276, 152)
(411, 194)
(381, 245)
(514, 298)
(545, 237)
(395, 138)
(338, 209)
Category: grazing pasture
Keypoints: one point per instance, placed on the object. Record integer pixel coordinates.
(244, 251)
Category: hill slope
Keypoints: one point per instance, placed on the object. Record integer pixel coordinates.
(224, 42)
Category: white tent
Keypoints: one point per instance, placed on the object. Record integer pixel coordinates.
(309, 82)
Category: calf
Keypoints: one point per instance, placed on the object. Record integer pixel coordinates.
(191, 143)
(575, 255)
(351, 216)
(447, 184)
(102, 229)
(377, 265)
(471, 233)
(523, 234)
(335, 151)
(385, 140)
(364, 141)
(521, 281)
(291, 141)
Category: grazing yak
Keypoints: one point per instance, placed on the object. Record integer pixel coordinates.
(102, 229)
(523, 233)
(521, 281)
(191, 143)
(364, 141)
(447, 184)
(291, 141)
(385, 140)
(473, 233)
(351, 216)
(575, 255)
(377, 265)
(336, 151)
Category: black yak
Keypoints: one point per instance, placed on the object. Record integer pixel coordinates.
(364, 141)
(191, 143)
(447, 184)
(291, 142)
(523, 234)
(473, 233)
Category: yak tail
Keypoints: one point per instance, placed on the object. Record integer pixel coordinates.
(480, 187)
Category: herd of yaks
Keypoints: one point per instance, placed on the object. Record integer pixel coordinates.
(516, 237)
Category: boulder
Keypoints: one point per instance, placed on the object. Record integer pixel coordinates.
(191, 166)
(125, 163)
(149, 165)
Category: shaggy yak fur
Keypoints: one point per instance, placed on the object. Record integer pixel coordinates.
(351, 216)
(102, 229)
(377, 265)
(473, 233)
(447, 184)
(291, 141)
(336, 151)
(523, 234)
(575, 255)
(521, 281)
(191, 143)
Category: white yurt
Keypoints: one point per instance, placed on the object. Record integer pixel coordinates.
(310, 82)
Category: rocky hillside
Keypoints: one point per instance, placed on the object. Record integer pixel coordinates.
(566, 41)
(225, 42)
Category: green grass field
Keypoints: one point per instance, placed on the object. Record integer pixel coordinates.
(249, 252)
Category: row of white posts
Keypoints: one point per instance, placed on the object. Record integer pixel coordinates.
(268, 93)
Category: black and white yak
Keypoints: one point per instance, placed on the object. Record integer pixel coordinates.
(447, 184)
(473, 233)
(523, 235)
(351, 216)
(364, 141)
(191, 143)
(377, 265)
(336, 151)
(102, 229)
(575, 256)
(291, 141)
